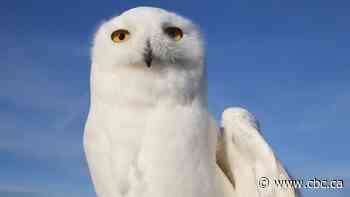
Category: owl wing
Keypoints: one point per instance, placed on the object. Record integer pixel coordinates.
(246, 159)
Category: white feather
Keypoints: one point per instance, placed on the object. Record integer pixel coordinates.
(149, 132)
(148, 128)
(250, 158)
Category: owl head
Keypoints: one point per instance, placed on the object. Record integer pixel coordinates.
(151, 51)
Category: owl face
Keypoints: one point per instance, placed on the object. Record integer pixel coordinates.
(148, 38)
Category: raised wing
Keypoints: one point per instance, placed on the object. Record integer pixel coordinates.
(247, 160)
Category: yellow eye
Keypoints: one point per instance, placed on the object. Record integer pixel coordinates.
(174, 33)
(120, 36)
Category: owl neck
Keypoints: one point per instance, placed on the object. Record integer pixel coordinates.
(146, 88)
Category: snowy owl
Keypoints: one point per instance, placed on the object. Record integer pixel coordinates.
(149, 132)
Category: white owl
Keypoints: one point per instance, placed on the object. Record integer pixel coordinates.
(149, 132)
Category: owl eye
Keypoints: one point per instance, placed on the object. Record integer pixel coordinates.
(174, 33)
(120, 35)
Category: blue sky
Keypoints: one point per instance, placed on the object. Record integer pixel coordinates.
(286, 61)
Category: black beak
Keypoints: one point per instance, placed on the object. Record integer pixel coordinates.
(147, 56)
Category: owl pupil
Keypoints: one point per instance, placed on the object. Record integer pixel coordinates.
(172, 33)
(121, 36)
